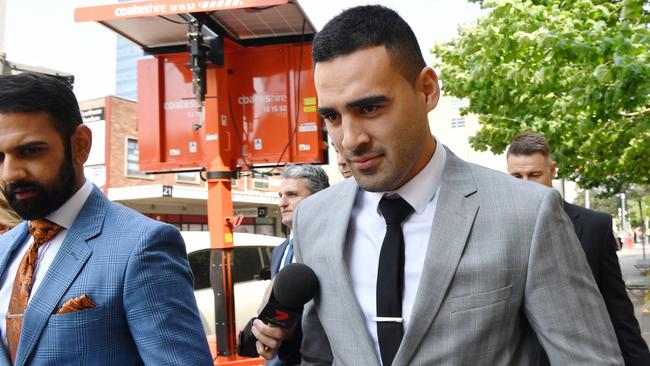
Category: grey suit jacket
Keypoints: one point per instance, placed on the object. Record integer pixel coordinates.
(502, 268)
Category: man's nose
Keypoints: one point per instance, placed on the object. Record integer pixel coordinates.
(353, 134)
(11, 170)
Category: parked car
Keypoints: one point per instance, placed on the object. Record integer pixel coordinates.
(251, 263)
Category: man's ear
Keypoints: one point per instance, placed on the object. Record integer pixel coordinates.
(553, 169)
(81, 141)
(429, 87)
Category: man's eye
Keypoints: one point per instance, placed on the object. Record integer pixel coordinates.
(369, 109)
(31, 150)
(331, 117)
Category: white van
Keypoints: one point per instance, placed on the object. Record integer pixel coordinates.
(251, 258)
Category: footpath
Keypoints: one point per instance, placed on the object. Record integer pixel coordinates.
(637, 280)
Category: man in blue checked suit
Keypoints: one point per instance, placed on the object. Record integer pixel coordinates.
(107, 286)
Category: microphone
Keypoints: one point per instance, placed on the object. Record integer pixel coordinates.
(293, 287)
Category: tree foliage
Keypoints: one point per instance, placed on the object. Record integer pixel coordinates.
(575, 70)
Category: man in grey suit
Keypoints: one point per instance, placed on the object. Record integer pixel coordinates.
(486, 263)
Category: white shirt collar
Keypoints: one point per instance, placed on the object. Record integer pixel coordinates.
(422, 188)
(67, 213)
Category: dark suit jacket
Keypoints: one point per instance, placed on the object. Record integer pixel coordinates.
(594, 229)
(289, 352)
(276, 257)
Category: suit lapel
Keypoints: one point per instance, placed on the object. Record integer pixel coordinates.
(276, 257)
(10, 240)
(340, 218)
(455, 213)
(574, 215)
(72, 255)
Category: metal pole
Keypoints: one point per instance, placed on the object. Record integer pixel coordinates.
(587, 200)
(4, 68)
(644, 228)
(624, 223)
(2, 26)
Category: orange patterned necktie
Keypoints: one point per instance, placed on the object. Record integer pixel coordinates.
(42, 231)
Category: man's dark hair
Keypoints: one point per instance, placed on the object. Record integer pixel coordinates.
(529, 143)
(36, 93)
(369, 26)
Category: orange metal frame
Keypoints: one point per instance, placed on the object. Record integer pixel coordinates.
(259, 110)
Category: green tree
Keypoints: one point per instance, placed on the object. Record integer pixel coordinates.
(633, 197)
(577, 71)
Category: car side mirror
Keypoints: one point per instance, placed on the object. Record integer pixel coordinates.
(265, 274)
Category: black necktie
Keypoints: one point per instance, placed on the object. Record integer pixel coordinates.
(390, 278)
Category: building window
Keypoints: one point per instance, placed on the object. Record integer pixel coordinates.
(133, 160)
(193, 227)
(261, 183)
(188, 177)
(459, 103)
(458, 122)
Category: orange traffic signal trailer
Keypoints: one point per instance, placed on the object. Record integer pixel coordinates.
(229, 88)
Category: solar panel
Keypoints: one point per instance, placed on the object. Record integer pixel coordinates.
(268, 22)
(164, 23)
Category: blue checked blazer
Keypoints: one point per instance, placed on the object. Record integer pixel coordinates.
(136, 270)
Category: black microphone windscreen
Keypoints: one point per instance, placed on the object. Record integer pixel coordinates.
(246, 341)
(294, 285)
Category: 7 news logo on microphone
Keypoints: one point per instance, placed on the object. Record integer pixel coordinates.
(283, 317)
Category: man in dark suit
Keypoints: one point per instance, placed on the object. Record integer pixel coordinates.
(298, 182)
(528, 158)
(83, 281)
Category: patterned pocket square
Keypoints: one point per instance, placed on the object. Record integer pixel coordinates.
(80, 303)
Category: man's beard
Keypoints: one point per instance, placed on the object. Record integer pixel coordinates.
(46, 199)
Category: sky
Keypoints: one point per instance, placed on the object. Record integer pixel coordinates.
(43, 33)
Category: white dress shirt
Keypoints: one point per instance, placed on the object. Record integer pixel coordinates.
(366, 233)
(64, 216)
